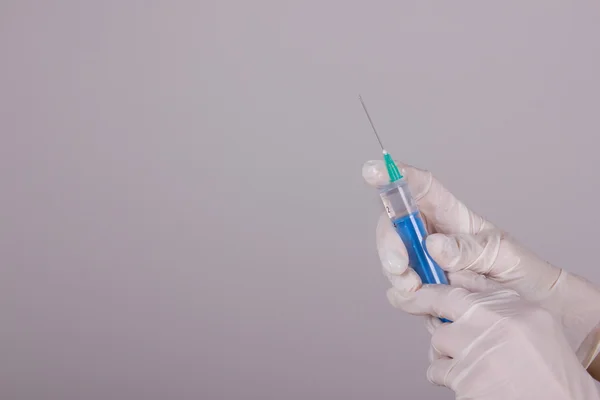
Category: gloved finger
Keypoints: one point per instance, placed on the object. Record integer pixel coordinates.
(409, 281)
(485, 253)
(448, 340)
(438, 371)
(436, 300)
(394, 258)
(375, 173)
(444, 339)
(390, 248)
(433, 354)
(439, 206)
(473, 281)
(432, 323)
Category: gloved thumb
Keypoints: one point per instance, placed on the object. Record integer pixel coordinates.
(485, 253)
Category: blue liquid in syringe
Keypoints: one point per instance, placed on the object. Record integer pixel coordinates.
(412, 232)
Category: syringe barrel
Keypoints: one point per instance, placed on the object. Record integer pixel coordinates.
(405, 216)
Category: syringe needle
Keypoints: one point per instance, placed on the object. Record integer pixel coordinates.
(371, 122)
(392, 168)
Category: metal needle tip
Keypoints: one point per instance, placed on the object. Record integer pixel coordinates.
(371, 122)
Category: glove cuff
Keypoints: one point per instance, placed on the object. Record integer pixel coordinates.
(589, 348)
(576, 302)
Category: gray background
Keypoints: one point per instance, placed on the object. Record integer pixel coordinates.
(182, 214)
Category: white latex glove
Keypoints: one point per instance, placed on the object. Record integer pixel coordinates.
(490, 254)
(499, 347)
(472, 243)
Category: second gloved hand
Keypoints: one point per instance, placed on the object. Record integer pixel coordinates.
(494, 257)
(499, 346)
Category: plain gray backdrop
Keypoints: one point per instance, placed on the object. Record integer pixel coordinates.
(182, 214)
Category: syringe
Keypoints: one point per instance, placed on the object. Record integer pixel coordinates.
(406, 218)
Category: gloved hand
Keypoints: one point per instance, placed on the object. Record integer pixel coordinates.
(462, 240)
(499, 346)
